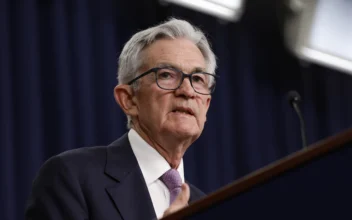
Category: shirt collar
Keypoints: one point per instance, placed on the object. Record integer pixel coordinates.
(152, 164)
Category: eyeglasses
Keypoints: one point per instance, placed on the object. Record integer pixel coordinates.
(171, 79)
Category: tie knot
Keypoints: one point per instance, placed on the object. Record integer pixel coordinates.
(172, 179)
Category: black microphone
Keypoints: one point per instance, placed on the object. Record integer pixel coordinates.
(294, 98)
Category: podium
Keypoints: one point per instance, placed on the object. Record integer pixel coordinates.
(312, 183)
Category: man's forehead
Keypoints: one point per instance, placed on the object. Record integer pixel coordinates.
(187, 65)
(178, 53)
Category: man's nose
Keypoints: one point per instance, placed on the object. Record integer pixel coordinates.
(186, 88)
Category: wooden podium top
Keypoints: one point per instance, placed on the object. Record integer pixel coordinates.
(276, 168)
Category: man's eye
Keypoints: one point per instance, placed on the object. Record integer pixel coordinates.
(165, 75)
(198, 79)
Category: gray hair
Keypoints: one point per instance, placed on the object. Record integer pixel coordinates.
(131, 60)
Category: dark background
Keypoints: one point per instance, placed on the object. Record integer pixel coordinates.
(58, 62)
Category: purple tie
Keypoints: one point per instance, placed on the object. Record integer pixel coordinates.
(173, 182)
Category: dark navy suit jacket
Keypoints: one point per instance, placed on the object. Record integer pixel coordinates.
(97, 183)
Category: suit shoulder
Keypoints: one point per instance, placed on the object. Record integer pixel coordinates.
(82, 162)
(82, 155)
(76, 161)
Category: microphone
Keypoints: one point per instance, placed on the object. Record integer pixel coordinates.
(294, 98)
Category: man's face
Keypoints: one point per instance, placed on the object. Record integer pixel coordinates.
(180, 113)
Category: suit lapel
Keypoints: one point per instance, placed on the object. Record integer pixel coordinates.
(195, 193)
(130, 194)
(192, 197)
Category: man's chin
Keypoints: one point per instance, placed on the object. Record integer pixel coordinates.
(184, 131)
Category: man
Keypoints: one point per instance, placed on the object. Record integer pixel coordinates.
(166, 77)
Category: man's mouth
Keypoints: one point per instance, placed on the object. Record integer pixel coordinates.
(182, 110)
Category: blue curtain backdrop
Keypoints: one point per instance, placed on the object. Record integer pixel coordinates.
(58, 62)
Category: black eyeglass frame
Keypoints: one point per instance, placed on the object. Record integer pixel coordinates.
(184, 75)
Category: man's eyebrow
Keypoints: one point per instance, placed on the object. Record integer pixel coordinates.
(195, 70)
(198, 69)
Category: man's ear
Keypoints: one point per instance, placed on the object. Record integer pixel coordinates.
(124, 96)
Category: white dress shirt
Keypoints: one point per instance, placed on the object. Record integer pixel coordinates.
(153, 166)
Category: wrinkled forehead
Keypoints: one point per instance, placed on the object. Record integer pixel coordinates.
(179, 53)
